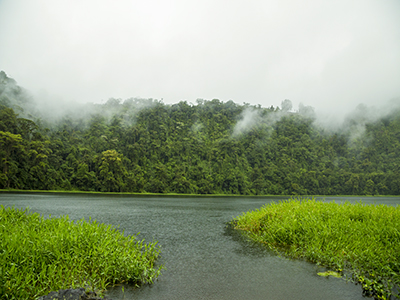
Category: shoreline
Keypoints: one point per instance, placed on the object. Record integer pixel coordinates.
(183, 195)
(358, 239)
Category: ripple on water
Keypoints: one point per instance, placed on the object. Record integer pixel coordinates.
(204, 259)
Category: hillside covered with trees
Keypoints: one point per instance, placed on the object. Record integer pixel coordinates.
(211, 147)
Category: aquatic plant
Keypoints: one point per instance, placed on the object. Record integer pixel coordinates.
(39, 255)
(362, 241)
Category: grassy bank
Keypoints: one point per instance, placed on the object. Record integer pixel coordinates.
(40, 255)
(124, 193)
(177, 194)
(360, 240)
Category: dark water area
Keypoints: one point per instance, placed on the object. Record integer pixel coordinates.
(204, 258)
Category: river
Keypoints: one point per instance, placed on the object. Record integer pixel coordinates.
(203, 257)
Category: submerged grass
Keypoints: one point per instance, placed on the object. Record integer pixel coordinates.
(362, 240)
(40, 255)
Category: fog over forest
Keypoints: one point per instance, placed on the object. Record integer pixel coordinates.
(210, 147)
(54, 109)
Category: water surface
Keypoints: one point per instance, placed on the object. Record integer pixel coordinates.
(203, 257)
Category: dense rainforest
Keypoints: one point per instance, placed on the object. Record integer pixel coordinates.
(211, 147)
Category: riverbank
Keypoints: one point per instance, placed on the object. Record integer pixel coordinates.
(121, 193)
(363, 240)
(43, 255)
(180, 194)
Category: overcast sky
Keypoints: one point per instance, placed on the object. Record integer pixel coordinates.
(327, 54)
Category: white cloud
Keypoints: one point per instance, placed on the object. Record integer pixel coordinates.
(327, 54)
(249, 118)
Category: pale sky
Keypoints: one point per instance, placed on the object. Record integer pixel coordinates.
(331, 55)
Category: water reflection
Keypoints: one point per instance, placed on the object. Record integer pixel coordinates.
(247, 246)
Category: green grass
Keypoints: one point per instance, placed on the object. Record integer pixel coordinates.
(362, 241)
(40, 255)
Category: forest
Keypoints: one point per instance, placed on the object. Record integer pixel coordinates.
(211, 147)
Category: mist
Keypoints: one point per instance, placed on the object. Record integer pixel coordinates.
(352, 122)
(331, 56)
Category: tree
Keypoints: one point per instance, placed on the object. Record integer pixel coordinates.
(9, 144)
(286, 105)
(112, 171)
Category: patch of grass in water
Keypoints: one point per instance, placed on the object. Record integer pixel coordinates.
(330, 273)
(357, 238)
(40, 255)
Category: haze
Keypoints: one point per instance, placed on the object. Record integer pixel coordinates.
(331, 55)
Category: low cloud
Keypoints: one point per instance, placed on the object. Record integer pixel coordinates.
(249, 118)
(330, 55)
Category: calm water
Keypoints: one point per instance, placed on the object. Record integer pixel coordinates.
(204, 259)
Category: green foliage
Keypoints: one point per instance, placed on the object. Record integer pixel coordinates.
(41, 255)
(361, 239)
(329, 273)
(143, 145)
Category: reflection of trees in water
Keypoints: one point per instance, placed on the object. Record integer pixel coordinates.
(247, 245)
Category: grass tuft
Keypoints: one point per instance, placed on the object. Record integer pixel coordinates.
(40, 255)
(362, 240)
